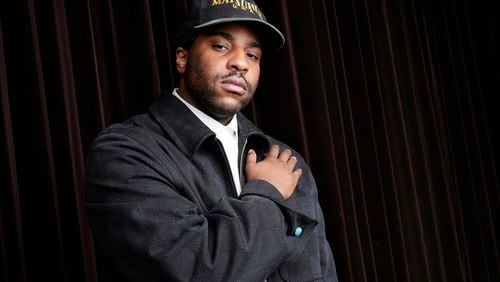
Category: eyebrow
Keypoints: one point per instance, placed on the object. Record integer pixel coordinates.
(230, 37)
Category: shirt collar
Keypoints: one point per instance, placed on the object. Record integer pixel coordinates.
(188, 133)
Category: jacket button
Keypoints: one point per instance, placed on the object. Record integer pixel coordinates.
(298, 231)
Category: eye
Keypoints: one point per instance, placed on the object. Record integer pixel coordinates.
(219, 47)
(253, 56)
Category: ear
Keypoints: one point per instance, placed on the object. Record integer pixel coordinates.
(181, 55)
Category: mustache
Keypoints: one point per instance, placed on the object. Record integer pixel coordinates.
(236, 75)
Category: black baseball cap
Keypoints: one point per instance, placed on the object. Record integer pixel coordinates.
(202, 14)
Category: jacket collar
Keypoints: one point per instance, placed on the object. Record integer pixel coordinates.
(185, 130)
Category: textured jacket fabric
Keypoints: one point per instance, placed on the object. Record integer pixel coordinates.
(162, 206)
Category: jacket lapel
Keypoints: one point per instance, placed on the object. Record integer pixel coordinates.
(188, 133)
(182, 127)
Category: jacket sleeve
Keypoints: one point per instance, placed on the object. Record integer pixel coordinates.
(314, 261)
(153, 232)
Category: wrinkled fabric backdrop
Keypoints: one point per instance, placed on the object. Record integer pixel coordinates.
(393, 103)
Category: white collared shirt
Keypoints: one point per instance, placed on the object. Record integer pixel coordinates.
(227, 135)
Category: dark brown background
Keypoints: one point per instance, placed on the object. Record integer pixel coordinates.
(393, 103)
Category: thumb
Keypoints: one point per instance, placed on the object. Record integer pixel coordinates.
(251, 157)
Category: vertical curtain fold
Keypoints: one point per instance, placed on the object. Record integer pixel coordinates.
(344, 141)
(33, 148)
(73, 174)
(13, 260)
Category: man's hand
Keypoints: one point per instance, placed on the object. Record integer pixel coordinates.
(278, 168)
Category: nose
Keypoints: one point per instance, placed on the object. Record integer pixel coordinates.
(238, 61)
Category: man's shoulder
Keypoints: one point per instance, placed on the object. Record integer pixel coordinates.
(138, 129)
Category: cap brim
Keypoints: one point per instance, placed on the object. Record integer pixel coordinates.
(270, 35)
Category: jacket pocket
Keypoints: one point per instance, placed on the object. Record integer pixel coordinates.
(307, 267)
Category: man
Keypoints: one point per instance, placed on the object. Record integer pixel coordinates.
(192, 190)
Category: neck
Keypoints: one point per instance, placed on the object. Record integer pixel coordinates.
(188, 98)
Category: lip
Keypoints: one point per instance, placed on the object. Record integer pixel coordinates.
(236, 85)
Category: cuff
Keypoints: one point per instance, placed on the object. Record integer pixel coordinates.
(298, 224)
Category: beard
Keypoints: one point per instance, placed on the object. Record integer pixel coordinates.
(201, 86)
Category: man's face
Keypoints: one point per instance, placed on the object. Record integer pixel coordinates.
(220, 72)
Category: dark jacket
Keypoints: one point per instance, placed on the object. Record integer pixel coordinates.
(162, 206)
